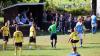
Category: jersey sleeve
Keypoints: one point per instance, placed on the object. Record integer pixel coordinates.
(1, 28)
(14, 34)
(34, 32)
(49, 28)
(21, 34)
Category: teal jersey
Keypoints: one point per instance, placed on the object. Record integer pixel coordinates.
(52, 28)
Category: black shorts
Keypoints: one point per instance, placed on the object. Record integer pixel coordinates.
(53, 36)
(32, 39)
(74, 41)
(5, 38)
(18, 44)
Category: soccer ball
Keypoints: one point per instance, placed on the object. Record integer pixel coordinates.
(30, 47)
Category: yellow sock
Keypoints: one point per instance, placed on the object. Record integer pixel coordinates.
(20, 51)
(15, 51)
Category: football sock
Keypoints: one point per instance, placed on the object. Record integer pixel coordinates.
(4, 46)
(15, 51)
(74, 49)
(81, 42)
(55, 43)
(20, 51)
(52, 44)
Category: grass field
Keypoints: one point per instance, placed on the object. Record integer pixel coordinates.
(1, 19)
(91, 47)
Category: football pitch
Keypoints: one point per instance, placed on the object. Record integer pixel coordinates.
(91, 46)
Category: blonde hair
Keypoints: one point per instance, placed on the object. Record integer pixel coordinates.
(79, 17)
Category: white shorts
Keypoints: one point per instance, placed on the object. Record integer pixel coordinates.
(80, 35)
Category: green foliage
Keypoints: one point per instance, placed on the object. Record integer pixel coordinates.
(79, 11)
(67, 5)
(30, 1)
(1, 19)
(76, 7)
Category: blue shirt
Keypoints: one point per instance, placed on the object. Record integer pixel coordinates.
(79, 27)
(93, 19)
(17, 19)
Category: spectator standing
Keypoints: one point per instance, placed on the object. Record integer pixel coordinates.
(88, 23)
(94, 23)
(31, 19)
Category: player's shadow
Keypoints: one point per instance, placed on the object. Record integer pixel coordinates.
(93, 45)
(39, 47)
(43, 47)
(10, 47)
(47, 47)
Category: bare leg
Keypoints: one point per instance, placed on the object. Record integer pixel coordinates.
(20, 51)
(15, 51)
(4, 45)
(30, 46)
(81, 42)
(74, 49)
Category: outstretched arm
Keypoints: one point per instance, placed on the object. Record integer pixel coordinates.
(69, 40)
(49, 29)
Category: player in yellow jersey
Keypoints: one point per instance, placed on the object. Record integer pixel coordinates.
(73, 40)
(32, 36)
(18, 39)
(5, 34)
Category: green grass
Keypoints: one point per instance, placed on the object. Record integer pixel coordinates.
(91, 47)
(1, 19)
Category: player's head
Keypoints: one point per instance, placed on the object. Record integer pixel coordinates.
(30, 13)
(79, 19)
(82, 19)
(33, 23)
(53, 22)
(6, 24)
(18, 14)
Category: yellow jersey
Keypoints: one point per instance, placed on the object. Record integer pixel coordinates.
(5, 31)
(18, 36)
(32, 31)
(74, 36)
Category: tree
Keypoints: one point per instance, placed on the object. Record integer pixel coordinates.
(41, 1)
(14, 1)
(94, 5)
